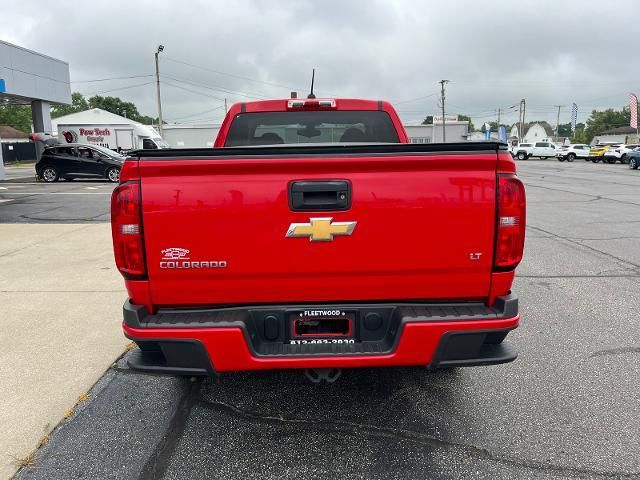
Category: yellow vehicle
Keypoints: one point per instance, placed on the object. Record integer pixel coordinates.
(597, 153)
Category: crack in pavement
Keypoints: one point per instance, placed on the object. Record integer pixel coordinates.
(593, 197)
(621, 261)
(416, 437)
(615, 351)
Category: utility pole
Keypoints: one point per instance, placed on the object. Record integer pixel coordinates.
(160, 49)
(442, 84)
(558, 119)
(498, 118)
(523, 109)
(225, 105)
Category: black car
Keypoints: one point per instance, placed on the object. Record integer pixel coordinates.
(70, 161)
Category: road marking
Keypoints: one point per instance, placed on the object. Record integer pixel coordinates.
(21, 183)
(90, 188)
(3, 188)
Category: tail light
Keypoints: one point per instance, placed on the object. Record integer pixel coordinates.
(126, 229)
(511, 222)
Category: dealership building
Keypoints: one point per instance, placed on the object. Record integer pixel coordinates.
(31, 78)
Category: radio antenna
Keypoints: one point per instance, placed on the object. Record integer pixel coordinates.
(313, 76)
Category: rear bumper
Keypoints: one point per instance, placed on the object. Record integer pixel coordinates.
(204, 342)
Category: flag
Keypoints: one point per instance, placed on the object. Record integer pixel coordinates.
(503, 133)
(574, 116)
(633, 108)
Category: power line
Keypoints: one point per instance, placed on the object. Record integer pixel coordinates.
(288, 87)
(112, 78)
(116, 89)
(192, 91)
(198, 114)
(216, 88)
(416, 99)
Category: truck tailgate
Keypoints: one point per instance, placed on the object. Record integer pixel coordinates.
(215, 229)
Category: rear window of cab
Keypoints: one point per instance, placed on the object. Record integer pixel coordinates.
(304, 127)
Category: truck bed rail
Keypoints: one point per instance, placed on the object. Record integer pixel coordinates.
(327, 149)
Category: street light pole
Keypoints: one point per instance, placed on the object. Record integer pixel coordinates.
(160, 48)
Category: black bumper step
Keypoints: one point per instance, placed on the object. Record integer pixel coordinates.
(376, 327)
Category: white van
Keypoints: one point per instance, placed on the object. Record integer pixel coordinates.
(120, 138)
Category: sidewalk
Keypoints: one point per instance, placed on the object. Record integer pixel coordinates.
(60, 298)
(22, 172)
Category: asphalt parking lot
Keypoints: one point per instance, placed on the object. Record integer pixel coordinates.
(76, 201)
(568, 407)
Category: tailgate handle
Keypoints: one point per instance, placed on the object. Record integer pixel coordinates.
(319, 195)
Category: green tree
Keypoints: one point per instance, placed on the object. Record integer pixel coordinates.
(492, 125)
(120, 107)
(428, 120)
(115, 105)
(600, 122)
(16, 116)
(564, 130)
(467, 118)
(78, 104)
(579, 136)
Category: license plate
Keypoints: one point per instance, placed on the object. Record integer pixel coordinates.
(321, 324)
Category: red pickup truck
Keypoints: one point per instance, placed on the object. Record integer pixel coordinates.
(314, 236)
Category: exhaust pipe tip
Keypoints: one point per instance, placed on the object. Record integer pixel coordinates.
(318, 375)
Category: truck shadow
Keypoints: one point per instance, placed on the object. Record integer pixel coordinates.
(371, 418)
(387, 396)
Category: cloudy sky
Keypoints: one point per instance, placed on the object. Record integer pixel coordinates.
(493, 52)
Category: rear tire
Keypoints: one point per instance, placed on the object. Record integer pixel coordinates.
(560, 159)
(571, 157)
(633, 163)
(521, 156)
(113, 175)
(49, 174)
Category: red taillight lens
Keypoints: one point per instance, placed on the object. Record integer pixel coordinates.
(511, 220)
(126, 229)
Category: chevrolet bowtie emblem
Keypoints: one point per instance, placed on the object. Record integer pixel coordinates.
(320, 229)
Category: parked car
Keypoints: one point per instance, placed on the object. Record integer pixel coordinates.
(79, 161)
(633, 157)
(573, 151)
(597, 153)
(522, 151)
(538, 149)
(618, 153)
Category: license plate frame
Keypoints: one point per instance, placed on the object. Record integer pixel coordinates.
(319, 323)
